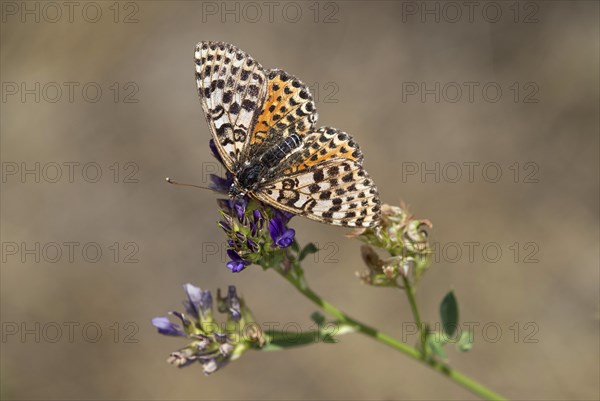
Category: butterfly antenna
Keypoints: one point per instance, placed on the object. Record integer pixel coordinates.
(170, 181)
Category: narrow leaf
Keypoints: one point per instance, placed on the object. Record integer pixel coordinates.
(449, 313)
(281, 340)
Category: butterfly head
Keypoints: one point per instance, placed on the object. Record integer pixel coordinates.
(246, 179)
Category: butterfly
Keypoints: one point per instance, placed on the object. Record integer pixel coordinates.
(263, 125)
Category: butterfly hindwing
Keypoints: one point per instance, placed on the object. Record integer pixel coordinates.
(332, 187)
(322, 145)
(232, 87)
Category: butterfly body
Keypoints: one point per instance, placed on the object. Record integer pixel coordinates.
(262, 122)
(253, 172)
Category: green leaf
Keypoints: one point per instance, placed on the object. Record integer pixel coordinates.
(449, 313)
(318, 318)
(281, 340)
(465, 342)
(308, 249)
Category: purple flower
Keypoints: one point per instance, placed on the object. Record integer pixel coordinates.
(225, 226)
(198, 301)
(215, 152)
(253, 246)
(225, 205)
(233, 304)
(237, 264)
(256, 223)
(164, 326)
(230, 304)
(283, 215)
(221, 184)
(239, 206)
(281, 235)
(240, 237)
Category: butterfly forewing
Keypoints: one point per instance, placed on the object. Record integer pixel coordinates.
(232, 87)
(288, 109)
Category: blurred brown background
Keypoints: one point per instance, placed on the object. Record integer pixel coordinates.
(362, 60)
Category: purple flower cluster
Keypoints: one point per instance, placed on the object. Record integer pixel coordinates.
(210, 347)
(245, 222)
(253, 230)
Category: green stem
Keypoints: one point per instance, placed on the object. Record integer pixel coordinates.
(411, 295)
(457, 377)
